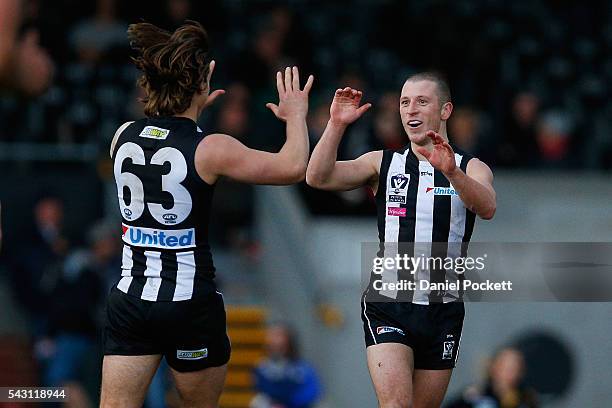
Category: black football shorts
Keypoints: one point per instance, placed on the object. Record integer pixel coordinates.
(433, 331)
(190, 334)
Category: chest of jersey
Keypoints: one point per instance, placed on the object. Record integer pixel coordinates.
(419, 203)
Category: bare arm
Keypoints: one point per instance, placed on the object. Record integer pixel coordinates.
(475, 186)
(221, 155)
(324, 171)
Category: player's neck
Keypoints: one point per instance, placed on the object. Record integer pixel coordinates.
(428, 145)
(191, 113)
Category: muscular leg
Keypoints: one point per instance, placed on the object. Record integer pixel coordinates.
(391, 367)
(125, 380)
(200, 389)
(429, 387)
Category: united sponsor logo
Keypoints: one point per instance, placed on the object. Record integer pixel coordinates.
(396, 212)
(447, 351)
(389, 329)
(153, 132)
(155, 238)
(192, 354)
(442, 191)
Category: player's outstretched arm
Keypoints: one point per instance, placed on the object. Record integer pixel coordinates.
(475, 186)
(222, 155)
(324, 172)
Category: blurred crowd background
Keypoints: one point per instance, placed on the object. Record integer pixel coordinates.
(530, 82)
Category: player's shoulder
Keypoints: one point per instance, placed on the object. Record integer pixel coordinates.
(118, 133)
(216, 141)
(216, 146)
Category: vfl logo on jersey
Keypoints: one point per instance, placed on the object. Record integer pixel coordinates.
(192, 354)
(389, 329)
(153, 132)
(163, 239)
(449, 191)
(398, 188)
(396, 212)
(447, 351)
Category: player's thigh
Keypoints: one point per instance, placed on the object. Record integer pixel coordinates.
(125, 379)
(391, 366)
(202, 388)
(429, 387)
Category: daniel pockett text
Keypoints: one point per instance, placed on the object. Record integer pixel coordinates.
(418, 265)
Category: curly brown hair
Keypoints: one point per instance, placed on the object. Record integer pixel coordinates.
(174, 65)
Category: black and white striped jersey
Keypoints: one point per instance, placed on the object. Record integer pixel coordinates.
(418, 208)
(165, 207)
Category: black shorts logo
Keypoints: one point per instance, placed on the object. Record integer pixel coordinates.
(447, 352)
(192, 354)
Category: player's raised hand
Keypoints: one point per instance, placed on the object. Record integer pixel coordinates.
(442, 156)
(345, 107)
(293, 102)
(214, 94)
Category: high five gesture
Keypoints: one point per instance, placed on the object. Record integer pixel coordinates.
(222, 155)
(345, 107)
(293, 102)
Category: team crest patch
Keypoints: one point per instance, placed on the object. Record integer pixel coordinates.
(447, 352)
(398, 188)
(192, 354)
(153, 132)
(389, 329)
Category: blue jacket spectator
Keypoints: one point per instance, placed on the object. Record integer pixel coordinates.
(283, 379)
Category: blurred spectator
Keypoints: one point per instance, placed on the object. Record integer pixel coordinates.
(93, 38)
(283, 379)
(504, 386)
(105, 253)
(177, 11)
(71, 314)
(73, 310)
(387, 129)
(464, 127)
(554, 138)
(43, 249)
(469, 130)
(24, 66)
(233, 203)
(519, 146)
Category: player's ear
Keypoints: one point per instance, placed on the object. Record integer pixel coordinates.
(447, 109)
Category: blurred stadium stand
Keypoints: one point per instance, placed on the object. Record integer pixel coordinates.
(531, 82)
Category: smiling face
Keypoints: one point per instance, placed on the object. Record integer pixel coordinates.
(422, 110)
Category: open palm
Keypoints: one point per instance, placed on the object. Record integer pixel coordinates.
(442, 156)
(345, 107)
